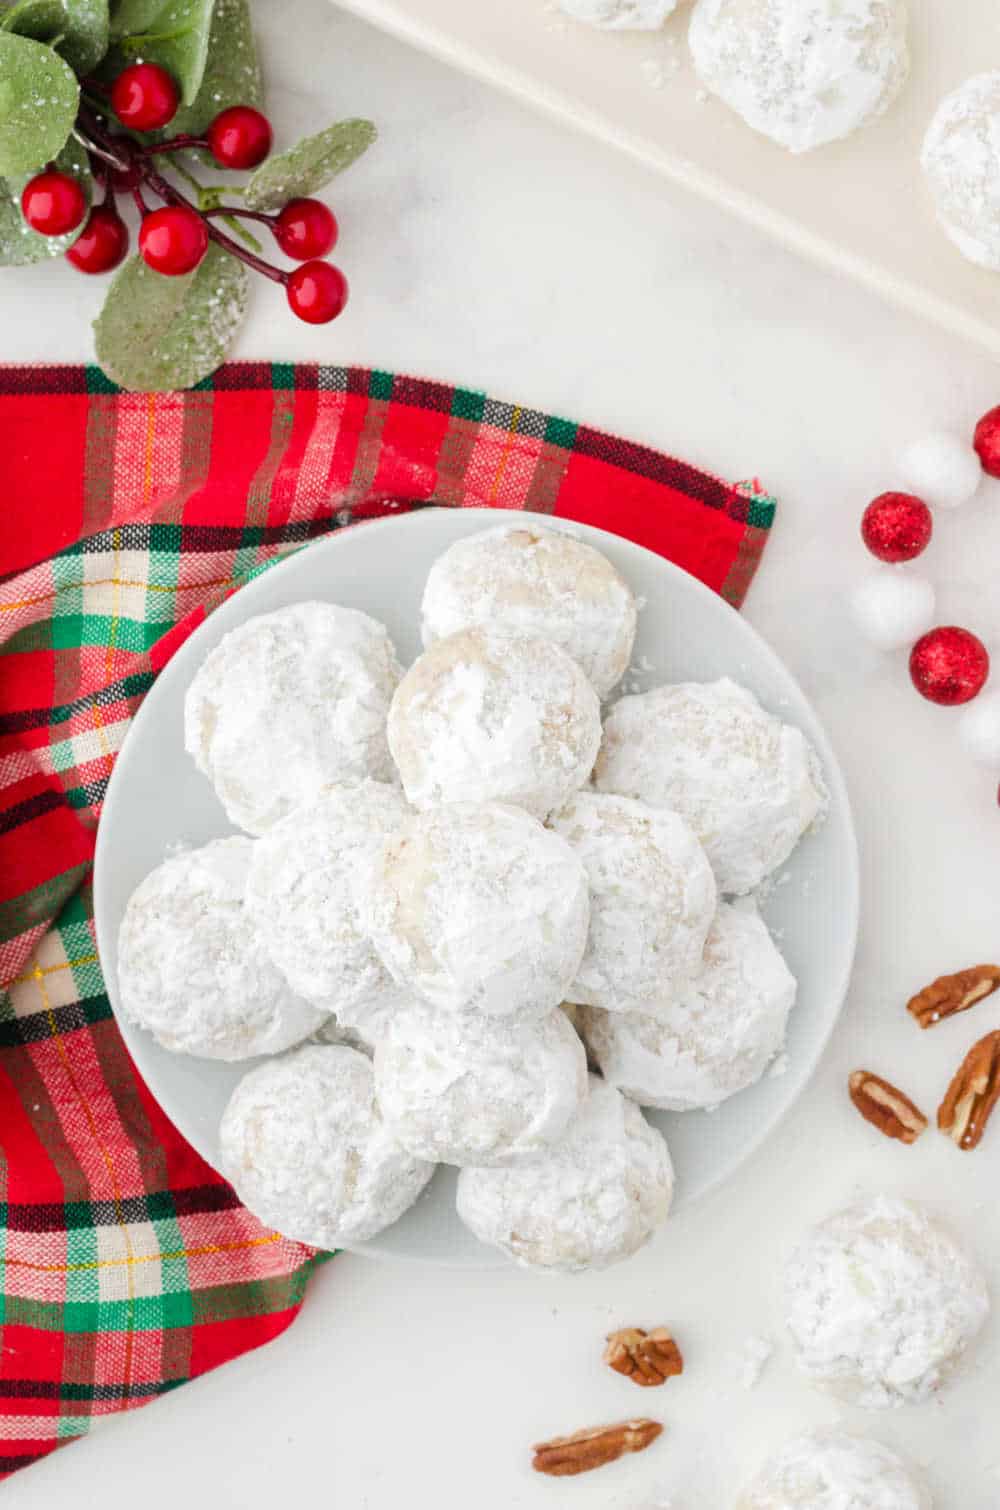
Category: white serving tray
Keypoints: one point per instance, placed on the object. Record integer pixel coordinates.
(859, 206)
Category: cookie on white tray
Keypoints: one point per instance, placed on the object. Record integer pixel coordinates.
(961, 163)
(834, 1470)
(620, 15)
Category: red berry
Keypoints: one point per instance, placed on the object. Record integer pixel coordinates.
(144, 97)
(103, 242)
(896, 527)
(987, 441)
(949, 665)
(173, 240)
(53, 203)
(317, 292)
(239, 137)
(306, 228)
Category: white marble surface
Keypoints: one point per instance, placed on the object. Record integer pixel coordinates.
(487, 245)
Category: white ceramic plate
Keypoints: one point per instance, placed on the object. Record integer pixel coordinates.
(157, 798)
(857, 206)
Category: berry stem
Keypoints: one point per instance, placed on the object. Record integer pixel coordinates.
(238, 212)
(175, 144)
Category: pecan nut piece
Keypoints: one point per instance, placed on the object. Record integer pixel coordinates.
(885, 1107)
(647, 1358)
(593, 1447)
(972, 1094)
(950, 994)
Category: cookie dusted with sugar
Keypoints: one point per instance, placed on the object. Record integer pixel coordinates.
(748, 784)
(537, 582)
(803, 72)
(652, 898)
(308, 887)
(591, 1200)
(191, 965)
(307, 1150)
(961, 163)
(711, 1040)
(478, 908)
(289, 703)
(833, 1470)
(620, 15)
(882, 1303)
(486, 715)
(481, 1090)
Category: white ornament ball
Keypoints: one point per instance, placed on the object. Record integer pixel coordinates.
(942, 469)
(892, 607)
(979, 730)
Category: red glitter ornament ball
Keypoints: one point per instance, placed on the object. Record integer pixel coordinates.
(949, 665)
(987, 441)
(896, 527)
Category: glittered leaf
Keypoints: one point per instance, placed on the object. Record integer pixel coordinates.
(78, 29)
(156, 334)
(176, 38)
(38, 99)
(232, 73)
(134, 15)
(309, 165)
(19, 244)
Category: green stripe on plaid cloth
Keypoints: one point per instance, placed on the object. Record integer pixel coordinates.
(128, 1266)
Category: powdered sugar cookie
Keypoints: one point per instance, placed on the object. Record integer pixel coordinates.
(620, 15)
(478, 908)
(831, 1470)
(288, 703)
(882, 1303)
(305, 1146)
(537, 582)
(192, 968)
(652, 898)
(748, 784)
(961, 162)
(803, 72)
(592, 1199)
(486, 715)
(711, 1040)
(479, 1090)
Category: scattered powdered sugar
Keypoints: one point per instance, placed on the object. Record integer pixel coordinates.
(477, 907)
(961, 161)
(192, 967)
(304, 1144)
(803, 72)
(710, 1041)
(748, 784)
(882, 1303)
(752, 1359)
(592, 1199)
(537, 582)
(288, 703)
(308, 887)
(652, 898)
(620, 15)
(831, 1470)
(779, 1067)
(478, 1090)
(485, 714)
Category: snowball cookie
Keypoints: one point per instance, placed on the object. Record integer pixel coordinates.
(485, 714)
(289, 703)
(882, 1303)
(652, 898)
(192, 967)
(306, 1148)
(592, 1199)
(748, 784)
(620, 15)
(803, 72)
(480, 1090)
(535, 582)
(308, 884)
(961, 163)
(831, 1470)
(477, 907)
(712, 1040)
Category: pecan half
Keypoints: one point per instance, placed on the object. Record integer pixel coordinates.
(950, 994)
(593, 1447)
(647, 1358)
(885, 1107)
(972, 1094)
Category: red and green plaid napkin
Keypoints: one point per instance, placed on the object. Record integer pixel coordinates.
(128, 1266)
